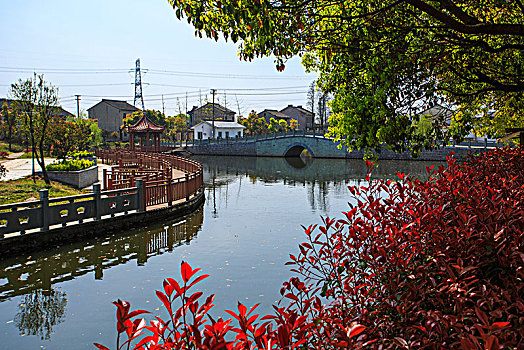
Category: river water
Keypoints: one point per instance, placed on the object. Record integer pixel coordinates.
(242, 236)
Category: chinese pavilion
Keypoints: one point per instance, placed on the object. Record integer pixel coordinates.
(144, 129)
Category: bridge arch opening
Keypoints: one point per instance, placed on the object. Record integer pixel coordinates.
(298, 151)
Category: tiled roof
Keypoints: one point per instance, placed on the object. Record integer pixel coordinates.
(276, 113)
(299, 108)
(144, 125)
(121, 105)
(218, 108)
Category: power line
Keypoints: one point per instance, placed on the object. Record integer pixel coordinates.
(151, 71)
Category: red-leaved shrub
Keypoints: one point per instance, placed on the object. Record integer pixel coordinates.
(412, 264)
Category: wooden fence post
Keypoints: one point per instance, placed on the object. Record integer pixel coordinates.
(187, 186)
(141, 195)
(169, 192)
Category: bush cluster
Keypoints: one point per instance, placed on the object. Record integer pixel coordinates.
(436, 264)
(70, 165)
(80, 154)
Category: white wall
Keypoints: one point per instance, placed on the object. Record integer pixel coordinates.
(207, 132)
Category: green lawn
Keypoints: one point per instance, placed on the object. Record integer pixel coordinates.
(22, 189)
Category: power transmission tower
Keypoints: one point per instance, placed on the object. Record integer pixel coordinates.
(138, 87)
(213, 91)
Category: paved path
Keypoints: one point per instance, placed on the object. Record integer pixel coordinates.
(19, 168)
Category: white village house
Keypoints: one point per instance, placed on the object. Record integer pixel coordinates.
(223, 130)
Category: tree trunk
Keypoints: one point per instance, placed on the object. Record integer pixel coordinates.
(41, 162)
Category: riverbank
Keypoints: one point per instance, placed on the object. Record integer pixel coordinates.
(27, 244)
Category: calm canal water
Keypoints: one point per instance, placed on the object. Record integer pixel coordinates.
(242, 236)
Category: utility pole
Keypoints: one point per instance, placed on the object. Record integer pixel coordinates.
(163, 106)
(238, 107)
(78, 106)
(213, 91)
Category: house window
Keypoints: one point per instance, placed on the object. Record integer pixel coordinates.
(199, 135)
(220, 134)
(227, 134)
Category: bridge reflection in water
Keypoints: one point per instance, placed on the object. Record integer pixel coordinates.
(41, 271)
(318, 176)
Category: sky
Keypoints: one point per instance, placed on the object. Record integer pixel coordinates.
(89, 48)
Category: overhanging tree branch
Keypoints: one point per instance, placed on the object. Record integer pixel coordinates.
(480, 28)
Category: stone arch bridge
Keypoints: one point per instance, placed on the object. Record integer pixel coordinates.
(319, 146)
(277, 145)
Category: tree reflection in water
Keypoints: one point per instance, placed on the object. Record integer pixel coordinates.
(39, 311)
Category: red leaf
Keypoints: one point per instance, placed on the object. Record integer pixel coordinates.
(291, 296)
(186, 271)
(466, 344)
(200, 278)
(356, 330)
(137, 312)
(242, 309)
(497, 325)
(482, 316)
(492, 343)
(100, 346)
(164, 300)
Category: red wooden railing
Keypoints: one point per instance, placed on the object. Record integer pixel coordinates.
(156, 169)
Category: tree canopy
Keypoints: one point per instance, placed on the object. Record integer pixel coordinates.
(386, 61)
(36, 101)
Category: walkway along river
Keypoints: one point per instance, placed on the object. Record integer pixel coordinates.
(141, 188)
(243, 235)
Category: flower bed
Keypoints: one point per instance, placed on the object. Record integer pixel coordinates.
(70, 165)
(78, 173)
(413, 264)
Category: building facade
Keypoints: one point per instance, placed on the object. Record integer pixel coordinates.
(110, 114)
(267, 114)
(302, 116)
(223, 130)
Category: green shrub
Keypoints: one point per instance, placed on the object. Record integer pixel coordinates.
(70, 165)
(80, 154)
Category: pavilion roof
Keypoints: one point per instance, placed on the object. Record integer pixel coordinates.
(144, 125)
